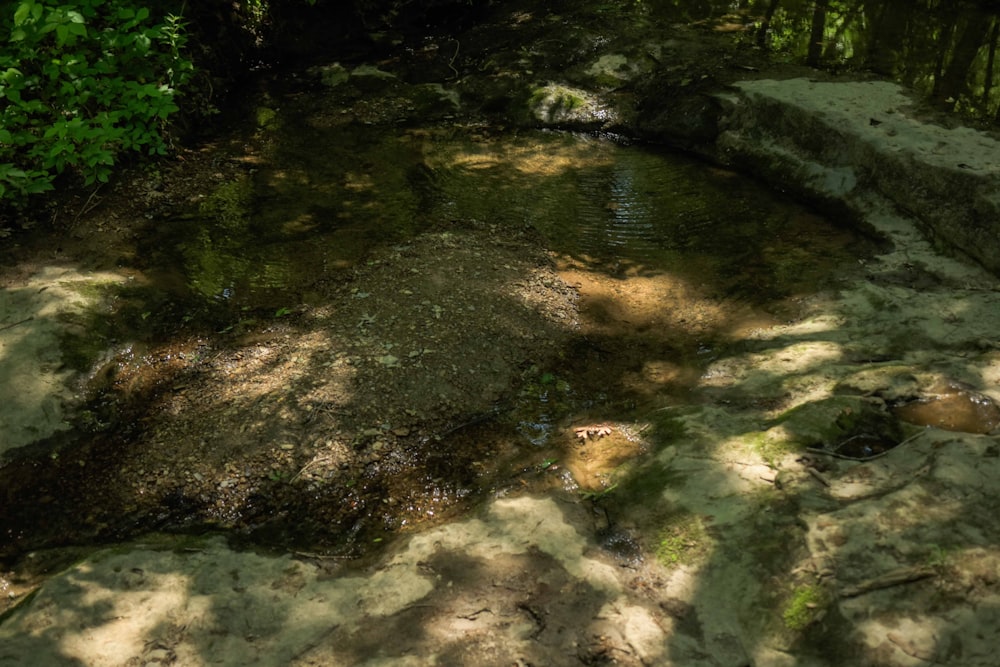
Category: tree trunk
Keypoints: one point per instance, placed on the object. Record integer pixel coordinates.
(815, 52)
(954, 81)
(765, 25)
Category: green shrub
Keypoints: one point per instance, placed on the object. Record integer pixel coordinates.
(82, 82)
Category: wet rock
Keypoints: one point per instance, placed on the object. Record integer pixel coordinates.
(370, 78)
(556, 104)
(331, 75)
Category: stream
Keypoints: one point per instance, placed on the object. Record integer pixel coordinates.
(294, 347)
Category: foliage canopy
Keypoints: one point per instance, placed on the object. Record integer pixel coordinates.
(81, 83)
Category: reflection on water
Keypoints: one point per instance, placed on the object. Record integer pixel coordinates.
(946, 50)
(329, 195)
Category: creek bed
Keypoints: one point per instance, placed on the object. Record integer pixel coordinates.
(375, 325)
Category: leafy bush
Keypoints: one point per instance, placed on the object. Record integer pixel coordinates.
(82, 82)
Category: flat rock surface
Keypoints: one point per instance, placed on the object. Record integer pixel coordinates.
(37, 310)
(842, 140)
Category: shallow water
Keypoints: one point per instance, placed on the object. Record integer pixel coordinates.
(673, 261)
(953, 408)
(266, 241)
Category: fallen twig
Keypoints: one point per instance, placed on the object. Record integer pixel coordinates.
(11, 326)
(903, 575)
(87, 207)
(451, 63)
(837, 455)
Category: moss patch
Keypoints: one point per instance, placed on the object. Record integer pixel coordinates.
(554, 103)
(773, 445)
(806, 605)
(267, 118)
(230, 203)
(682, 541)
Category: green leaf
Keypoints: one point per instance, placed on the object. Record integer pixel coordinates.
(11, 74)
(10, 172)
(23, 11)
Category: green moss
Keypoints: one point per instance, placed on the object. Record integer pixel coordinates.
(771, 447)
(551, 103)
(230, 203)
(806, 604)
(683, 541)
(940, 557)
(267, 118)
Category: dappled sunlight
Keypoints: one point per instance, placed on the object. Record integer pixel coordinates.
(200, 604)
(658, 304)
(757, 370)
(910, 546)
(128, 610)
(301, 224)
(659, 375)
(51, 304)
(359, 182)
(554, 156)
(567, 398)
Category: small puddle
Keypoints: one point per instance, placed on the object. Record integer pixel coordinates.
(953, 408)
(864, 446)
